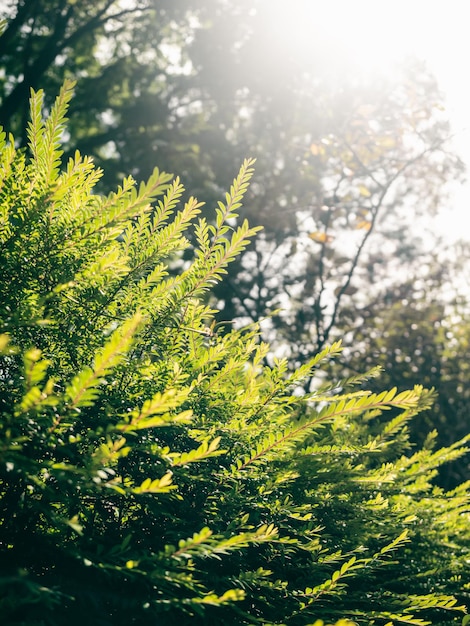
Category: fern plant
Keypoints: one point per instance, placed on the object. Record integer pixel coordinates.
(152, 470)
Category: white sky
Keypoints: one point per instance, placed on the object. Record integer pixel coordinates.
(377, 33)
(446, 46)
(439, 32)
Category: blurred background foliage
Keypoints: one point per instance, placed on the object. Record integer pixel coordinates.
(350, 168)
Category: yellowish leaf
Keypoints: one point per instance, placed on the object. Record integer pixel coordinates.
(4, 340)
(320, 237)
(386, 142)
(317, 149)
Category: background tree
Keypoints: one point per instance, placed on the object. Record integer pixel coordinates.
(127, 95)
(348, 168)
(419, 329)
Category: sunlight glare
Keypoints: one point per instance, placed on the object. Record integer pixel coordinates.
(368, 38)
(366, 34)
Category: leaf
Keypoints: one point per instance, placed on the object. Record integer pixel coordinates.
(4, 341)
(232, 595)
(321, 237)
(204, 451)
(158, 485)
(317, 149)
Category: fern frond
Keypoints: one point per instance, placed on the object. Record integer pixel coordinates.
(204, 544)
(211, 265)
(332, 585)
(83, 389)
(160, 410)
(349, 381)
(44, 136)
(124, 204)
(288, 437)
(216, 248)
(53, 129)
(72, 198)
(205, 451)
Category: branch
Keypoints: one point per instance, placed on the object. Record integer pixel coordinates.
(375, 214)
(321, 334)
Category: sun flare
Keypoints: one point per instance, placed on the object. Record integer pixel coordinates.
(348, 39)
(367, 34)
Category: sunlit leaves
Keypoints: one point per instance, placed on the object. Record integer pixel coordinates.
(204, 544)
(171, 471)
(221, 243)
(45, 136)
(157, 485)
(280, 442)
(160, 410)
(83, 389)
(35, 396)
(205, 451)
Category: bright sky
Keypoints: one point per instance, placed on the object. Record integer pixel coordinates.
(378, 33)
(436, 31)
(445, 43)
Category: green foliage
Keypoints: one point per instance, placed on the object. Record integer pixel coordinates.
(418, 336)
(152, 470)
(346, 168)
